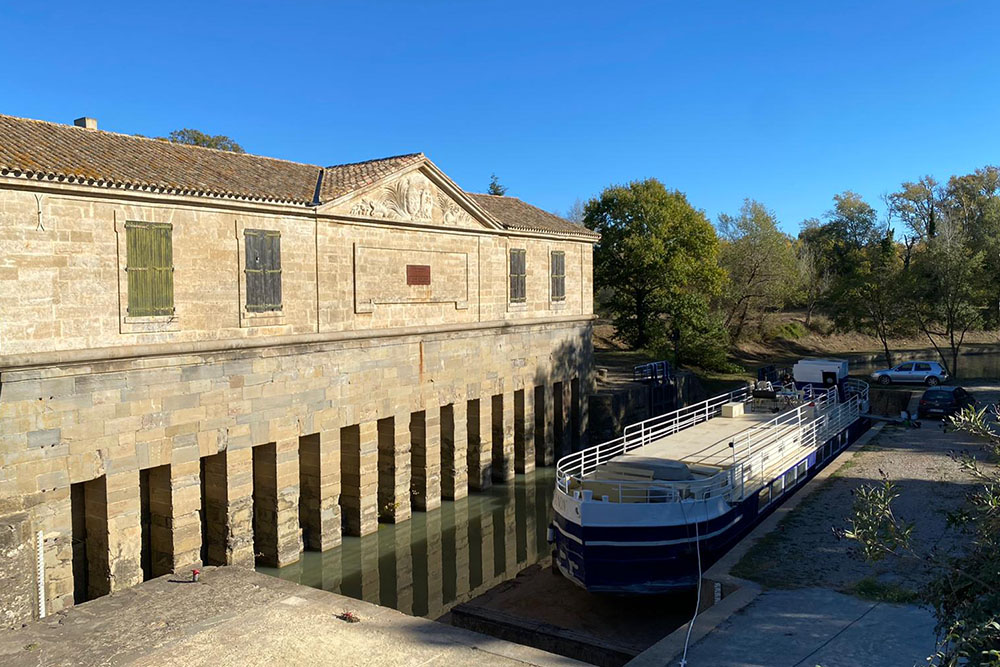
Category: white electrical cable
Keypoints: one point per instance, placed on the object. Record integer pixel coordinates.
(697, 603)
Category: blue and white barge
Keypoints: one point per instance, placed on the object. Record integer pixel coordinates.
(645, 512)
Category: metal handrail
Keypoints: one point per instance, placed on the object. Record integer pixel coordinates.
(759, 448)
(582, 463)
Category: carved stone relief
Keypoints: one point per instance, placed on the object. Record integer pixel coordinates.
(412, 198)
(406, 199)
(452, 213)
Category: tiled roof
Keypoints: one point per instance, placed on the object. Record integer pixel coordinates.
(51, 151)
(515, 214)
(342, 179)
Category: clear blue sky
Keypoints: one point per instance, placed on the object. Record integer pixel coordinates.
(785, 102)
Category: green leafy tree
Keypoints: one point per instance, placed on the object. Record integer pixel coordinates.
(192, 137)
(842, 244)
(813, 279)
(875, 294)
(973, 201)
(853, 223)
(947, 292)
(918, 206)
(815, 273)
(659, 255)
(760, 263)
(495, 187)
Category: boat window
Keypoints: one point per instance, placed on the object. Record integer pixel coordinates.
(764, 498)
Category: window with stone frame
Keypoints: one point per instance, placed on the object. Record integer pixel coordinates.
(149, 265)
(558, 274)
(263, 270)
(518, 275)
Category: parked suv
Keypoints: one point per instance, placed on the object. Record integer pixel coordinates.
(930, 373)
(944, 402)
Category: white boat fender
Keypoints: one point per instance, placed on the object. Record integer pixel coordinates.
(550, 535)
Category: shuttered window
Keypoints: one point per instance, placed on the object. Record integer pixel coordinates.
(558, 269)
(263, 270)
(150, 268)
(518, 275)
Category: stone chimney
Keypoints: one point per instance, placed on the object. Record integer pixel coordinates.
(86, 123)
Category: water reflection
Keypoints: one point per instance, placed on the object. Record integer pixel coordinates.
(438, 559)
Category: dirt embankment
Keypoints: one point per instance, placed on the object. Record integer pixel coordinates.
(845, 344)
(810, 343)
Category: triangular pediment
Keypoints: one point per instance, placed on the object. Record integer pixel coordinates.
(420, 194)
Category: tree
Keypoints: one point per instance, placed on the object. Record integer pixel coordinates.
(973, 201)
(875, 295)
(918, 206)
(760, 262)
(947, 291)
(197, 138)
(660, 256)
(814, 277)
(575, 212)
(964, 589)
(841, 244)
(495, 187)
(854, 222)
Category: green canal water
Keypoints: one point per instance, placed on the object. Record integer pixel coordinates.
(440, 558)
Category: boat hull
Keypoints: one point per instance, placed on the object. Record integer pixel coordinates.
(650, 557)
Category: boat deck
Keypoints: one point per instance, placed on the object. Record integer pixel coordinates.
(703, 448)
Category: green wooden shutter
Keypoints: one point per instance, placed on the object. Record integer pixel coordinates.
(150, 268)
(263, 270)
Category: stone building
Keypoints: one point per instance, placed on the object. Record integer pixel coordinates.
(207, 357)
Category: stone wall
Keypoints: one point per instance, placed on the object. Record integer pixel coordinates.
(144, 445)
(333, 416)
(17, 571)
(338, 274)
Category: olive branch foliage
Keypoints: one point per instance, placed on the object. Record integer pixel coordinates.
(963, 588)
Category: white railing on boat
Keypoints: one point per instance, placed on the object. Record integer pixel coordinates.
(759, 452)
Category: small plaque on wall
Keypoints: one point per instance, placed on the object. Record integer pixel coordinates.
(418, 274)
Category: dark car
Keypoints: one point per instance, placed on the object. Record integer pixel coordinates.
(944, 401)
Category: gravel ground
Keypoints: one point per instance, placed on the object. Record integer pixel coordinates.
(803, 550)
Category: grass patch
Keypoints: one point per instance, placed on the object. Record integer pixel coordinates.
(845, 466)
(763, 562)
(791, 330)
(872, 589)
